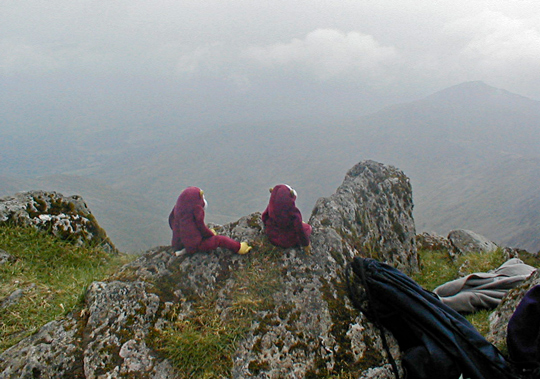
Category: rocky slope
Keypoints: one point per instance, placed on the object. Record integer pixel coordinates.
(500, 317)
(289, 308)
(274, 313)
(67, 217)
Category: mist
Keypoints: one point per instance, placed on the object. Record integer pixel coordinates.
(94, 65)
(133, 100)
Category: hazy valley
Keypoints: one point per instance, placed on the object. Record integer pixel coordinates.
(472, 153)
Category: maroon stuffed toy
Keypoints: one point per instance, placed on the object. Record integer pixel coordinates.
(283, 221)
(189, 230)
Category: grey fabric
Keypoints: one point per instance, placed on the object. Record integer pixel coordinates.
(483, 290)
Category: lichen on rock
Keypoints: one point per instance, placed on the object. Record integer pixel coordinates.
(269, 314)
(372, 211)
(67, 217)
(498, 320)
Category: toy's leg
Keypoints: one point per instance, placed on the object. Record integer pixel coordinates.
(214, 242)
(176, 243)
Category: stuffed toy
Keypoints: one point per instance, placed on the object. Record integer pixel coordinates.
(283, 221)
(189, 230)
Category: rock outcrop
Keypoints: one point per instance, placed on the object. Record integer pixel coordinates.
(372, 211)
(457, 242)
(5, 257)
(65, 217)
(274, 313)
(500, 317)
(433, 242)
(466, 241)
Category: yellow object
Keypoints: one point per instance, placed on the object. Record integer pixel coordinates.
(307, 249)
(244, 248)
(213, 231)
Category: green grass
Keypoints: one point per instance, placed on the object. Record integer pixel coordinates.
(437, 267)
(480, 321)
(202, 345)
(52, 273)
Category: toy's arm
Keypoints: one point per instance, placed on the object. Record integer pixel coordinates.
(198, 213)
(299, 228)
(264, 216)
(171, 219)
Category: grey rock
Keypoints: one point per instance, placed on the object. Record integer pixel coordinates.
(512, 252)
(298, 320)
(498, 320)
(63, 216)
(372, 211)
(53, 352)
(466, 241)
(5, 257)
(105, 339)
(15, 296)
(433, 242)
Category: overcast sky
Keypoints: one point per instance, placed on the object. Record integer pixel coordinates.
(181, 62)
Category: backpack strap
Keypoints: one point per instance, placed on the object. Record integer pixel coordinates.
(372, 312)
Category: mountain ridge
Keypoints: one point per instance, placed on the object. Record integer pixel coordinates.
(457, 153)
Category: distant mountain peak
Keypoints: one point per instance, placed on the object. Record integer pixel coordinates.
(474, 88)
(474, 91)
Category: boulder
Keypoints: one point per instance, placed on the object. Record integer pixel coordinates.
(67, 217)
(466, 241)
(5, 257)
(498, 320)
(372, 211)
(432, 242)
(269, 314)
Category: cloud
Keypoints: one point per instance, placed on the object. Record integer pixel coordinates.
(497, 44)
(205, 58)
(500, 49)
(247, 47)
(36, 59)
(16, 57)
(327, 53)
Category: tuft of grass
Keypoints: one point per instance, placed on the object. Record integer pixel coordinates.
(479, 262)
(51, 273)
(202, 346)
(437, 268)
(480, 321)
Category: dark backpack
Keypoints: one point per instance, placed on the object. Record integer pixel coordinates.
(436, 341)
(523, 334)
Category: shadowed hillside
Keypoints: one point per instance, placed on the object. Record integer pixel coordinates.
(472, 152)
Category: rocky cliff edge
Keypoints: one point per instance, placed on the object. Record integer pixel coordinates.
(274, 313)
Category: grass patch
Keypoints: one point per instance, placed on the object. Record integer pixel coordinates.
(479, 262)
(480, 321)
(51, 273)
(202, 345)
(437, 268)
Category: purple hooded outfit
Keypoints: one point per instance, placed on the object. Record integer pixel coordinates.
(523, 331)
(283, 221)
(188, 228)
